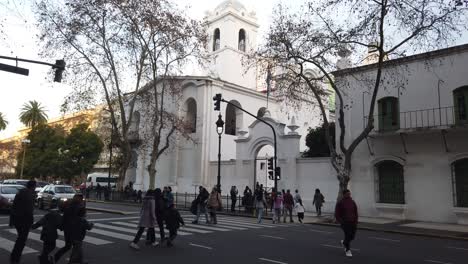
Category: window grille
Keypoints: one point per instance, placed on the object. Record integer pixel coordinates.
(391, 185)
(460, 173)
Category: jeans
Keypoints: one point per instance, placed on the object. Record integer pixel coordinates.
(23, 232)
(68, 246)
(259, 214)
(287, 210)
(213, 216)
(199, 212)
(47, 248)
(76, 255)
(349, 230)
(162, 235)
(140, 231)
(277, 215)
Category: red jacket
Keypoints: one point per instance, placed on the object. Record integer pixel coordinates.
(288, 200)
(346, 211)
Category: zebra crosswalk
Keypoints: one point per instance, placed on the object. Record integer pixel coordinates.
(113, 230)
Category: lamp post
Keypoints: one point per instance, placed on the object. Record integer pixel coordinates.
(25, 142)
(219, 130)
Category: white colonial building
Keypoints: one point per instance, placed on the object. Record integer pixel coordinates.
(414, 165)
(245, 142)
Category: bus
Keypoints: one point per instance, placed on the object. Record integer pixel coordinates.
(93, 179)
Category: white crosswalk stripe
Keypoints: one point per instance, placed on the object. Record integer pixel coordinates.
(110, 230)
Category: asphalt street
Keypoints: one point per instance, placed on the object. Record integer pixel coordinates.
(242, 240)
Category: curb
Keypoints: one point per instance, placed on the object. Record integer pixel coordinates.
(409, 233)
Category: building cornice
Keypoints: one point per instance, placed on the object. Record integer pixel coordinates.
(213, 19)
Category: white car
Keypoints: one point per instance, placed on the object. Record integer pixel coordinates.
(53, 196)
(8, 193)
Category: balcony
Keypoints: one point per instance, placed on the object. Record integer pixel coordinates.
(434, 118)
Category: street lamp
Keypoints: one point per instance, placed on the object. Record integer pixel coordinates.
(219, 130)
(25, 142)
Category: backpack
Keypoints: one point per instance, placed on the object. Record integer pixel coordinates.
(259, 196)
(193, 207)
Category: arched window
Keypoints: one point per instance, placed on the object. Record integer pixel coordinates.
(191, 115)
(460, 182)
(233, 120)
(241, 45)
(460, 99)
(216, 39)
(389, 114)
(261, 112)
(391, 184)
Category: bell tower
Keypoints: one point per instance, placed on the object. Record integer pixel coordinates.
(232, 32)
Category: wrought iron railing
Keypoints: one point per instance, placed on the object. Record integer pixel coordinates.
(417, 119)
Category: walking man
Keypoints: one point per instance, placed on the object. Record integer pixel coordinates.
(260, 204)
(288, 206)
(234, 193)
(297, 197)
(346, 214)
(21, 217)
(201, 205)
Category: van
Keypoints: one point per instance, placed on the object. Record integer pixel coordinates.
(93, 179)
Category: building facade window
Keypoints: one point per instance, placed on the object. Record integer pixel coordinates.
(191, 115)
(216, 39)
(460, 98)
(391, 184)
(389, 114)
(233, 121)
(460, 182)
(241, 45)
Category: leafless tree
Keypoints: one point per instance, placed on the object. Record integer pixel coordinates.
(313, 37)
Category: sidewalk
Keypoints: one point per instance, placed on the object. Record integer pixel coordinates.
(428, 229)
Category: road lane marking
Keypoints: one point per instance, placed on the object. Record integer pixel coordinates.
(3, 225)
(212, 228)
(332, 246)
(320, 231)
(458, 248)
(385, 239)
(37, 237)
(113, 219)
(88, 239)
(436, 261)
(8, 246)
(272, 261)
(275, 237)
(111, 234)
(200, 246)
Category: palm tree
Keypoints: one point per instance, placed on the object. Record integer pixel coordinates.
(3, 122)
(33, 114)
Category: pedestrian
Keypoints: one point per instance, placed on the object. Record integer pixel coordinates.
(299, 210)
(260, 204)
(318, 201)
(247, 198)
(71, 213)
(50, 222)
(346, 213)
(80, 226)
(169, 197)
(159, 212)
(233, 193)
(288, 204)
(201, 204)
(173, 222)
(21, 217)
(297, 197)
(214, 203)
(98, 191)
(139, 197)
(277, 204)
(147, 220)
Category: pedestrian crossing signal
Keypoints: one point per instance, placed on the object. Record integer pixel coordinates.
(270, 164)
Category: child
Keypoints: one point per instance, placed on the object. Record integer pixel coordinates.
(173, 221)
(299, 210)
(50, 223)
(78, 235)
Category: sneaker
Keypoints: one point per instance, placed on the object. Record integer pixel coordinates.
(134, 246)
(348, 253)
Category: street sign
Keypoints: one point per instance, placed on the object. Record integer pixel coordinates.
(14, 69)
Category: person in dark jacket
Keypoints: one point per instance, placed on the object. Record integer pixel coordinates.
(159, 211)
(318, 201)
(21, 217)
(71, 214)
(234, 193)
(80, 226)
(50, 223)
(173, 222)
(346, 213)
(288, 202)
(201, 204)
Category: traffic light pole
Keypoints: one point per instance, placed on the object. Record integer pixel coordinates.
(59, 66)
(274, 136)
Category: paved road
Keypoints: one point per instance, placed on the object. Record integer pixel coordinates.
(242, 240)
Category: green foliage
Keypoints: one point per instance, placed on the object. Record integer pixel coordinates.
(316, 142)
(33, 114)
(54, 153)
(3, 122)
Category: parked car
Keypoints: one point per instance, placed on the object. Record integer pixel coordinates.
(54, 196)
(16, 181)
(7, 195)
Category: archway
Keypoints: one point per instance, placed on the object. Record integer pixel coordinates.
(261, 176)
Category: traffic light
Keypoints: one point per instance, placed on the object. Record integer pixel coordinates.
(270, 164)
(270, 175)
(59, 68)
(217, 105)
(278, 173)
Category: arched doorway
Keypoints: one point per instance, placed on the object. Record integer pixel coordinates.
(264, 153)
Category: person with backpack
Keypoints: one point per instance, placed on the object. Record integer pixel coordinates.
(50, 223)
(318, 201)
(260, 204)
(299, 210)
(346, 213)
(214, 203)
(173, 222)
(201, 204)
(233, 194)
(147, 220)
(80, 226)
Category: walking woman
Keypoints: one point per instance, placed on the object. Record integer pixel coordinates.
(214, 203)
(277, 205)
(159, 211)
(319, 199)
(147, 220)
